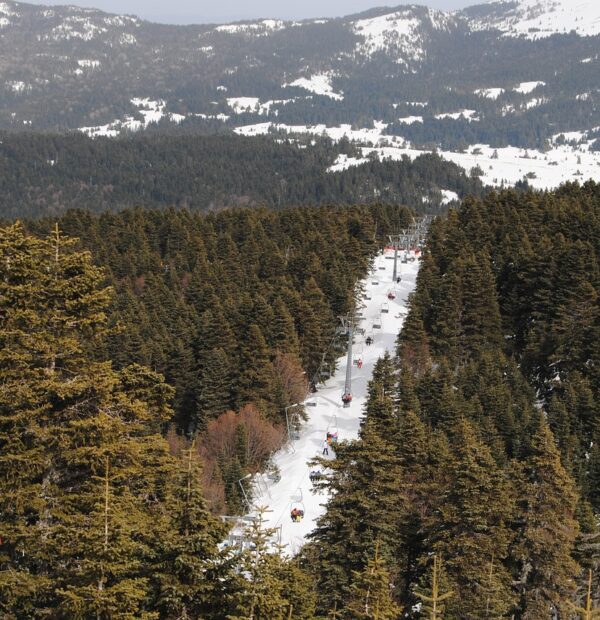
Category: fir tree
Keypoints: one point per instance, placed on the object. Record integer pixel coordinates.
(547, 533)
(371, 592)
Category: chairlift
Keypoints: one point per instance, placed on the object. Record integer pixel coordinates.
(332, 431)
(375, 282)
(391, 294)
(368, 296)
(347, 399)
(385, 308)
(315, 475)
(377, 323)
(382, 268)
(297, 508)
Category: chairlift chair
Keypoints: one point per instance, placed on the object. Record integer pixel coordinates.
(377, 323)
(391, 294)
(297, 509)
(385, 308)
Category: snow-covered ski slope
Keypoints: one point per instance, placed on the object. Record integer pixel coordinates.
(295, 488)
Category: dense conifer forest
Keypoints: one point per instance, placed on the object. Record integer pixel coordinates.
(479, 445)
(234, 309)
(472, 490)
(45, 175)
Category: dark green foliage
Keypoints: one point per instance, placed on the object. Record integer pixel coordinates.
(196, 301)
(492, 429)
(207, 173)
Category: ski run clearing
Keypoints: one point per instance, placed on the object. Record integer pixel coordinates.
(295, 488)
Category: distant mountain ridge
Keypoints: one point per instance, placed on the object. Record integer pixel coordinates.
(431, 77)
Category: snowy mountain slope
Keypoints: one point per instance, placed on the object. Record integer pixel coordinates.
(295, 488)
(538, 19)
(404, 35)
(471, 73)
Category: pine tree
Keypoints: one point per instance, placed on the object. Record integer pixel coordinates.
(547, 503)
(371, 592)
(268, 586)
(433, 603)
(213, 394)
(588, 612)
(472, 526)
(191, 570)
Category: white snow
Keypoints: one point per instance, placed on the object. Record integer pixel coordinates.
(261, 28)
(489, 93)
(400, 32)
(538, 19)
(243, 104)
(76, 27)
(343, 162)
(329, 415)
(18, 87)
(92, 64)
(449, 196)
(528, 87)
(320, 84)
(410, 120)
(218, 117)
(469, 115)
(500, 167)
(152, 111)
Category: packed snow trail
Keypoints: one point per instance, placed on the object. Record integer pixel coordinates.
(295, 487)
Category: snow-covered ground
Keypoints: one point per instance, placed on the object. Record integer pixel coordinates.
(319, 84)
(539, 19)
(498, 166)
(295, 487)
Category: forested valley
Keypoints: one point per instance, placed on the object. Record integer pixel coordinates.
(45, 175)
(143, 364)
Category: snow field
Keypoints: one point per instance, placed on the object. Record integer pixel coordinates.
(295, 487)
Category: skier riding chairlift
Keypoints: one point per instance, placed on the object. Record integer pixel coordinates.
(347, 399)
(297, 514)
(391, 295)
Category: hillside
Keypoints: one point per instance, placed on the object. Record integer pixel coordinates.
(47, 175)
(493, 76)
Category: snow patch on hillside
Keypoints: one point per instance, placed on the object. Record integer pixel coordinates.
(401, 32)
(468, 115)
(240, 105)
(260, 29)
(18, 87)
(319, 84)
(539, 19)
(567, 160)
(410, 120)
(489, 93)
(89, 64)
(528, 87)
(76, 27)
